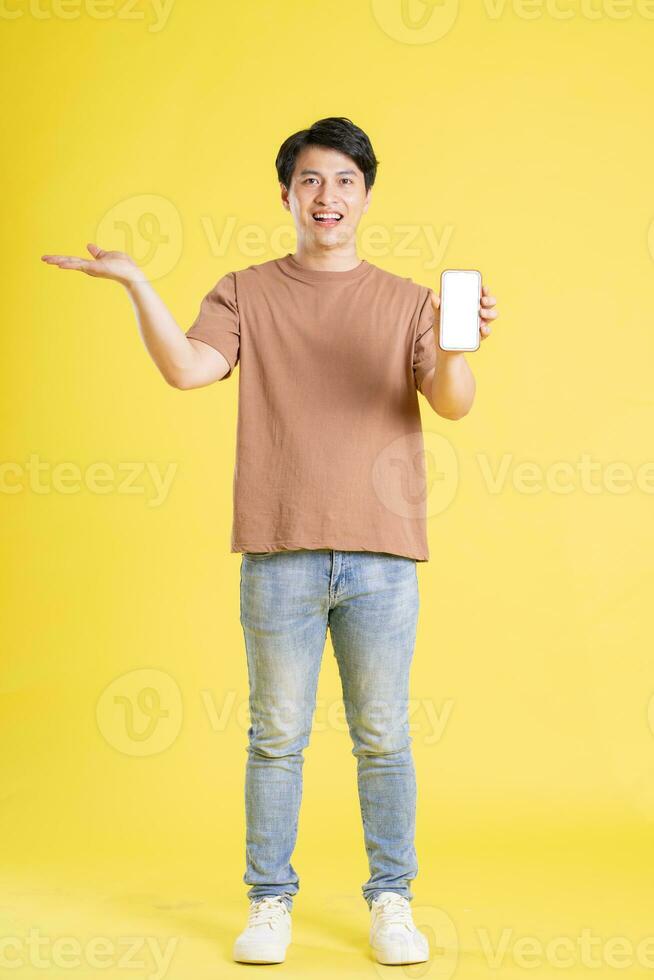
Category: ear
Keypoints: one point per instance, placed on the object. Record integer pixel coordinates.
(367, 201)
(284, 191)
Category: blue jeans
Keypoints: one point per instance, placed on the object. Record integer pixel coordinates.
(369, 601)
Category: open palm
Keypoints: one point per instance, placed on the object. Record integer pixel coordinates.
(104, 265)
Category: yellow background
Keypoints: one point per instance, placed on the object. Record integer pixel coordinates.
(524, 143)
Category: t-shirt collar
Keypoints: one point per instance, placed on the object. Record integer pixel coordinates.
(291, 267)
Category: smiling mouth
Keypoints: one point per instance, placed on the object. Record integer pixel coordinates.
(327, 217)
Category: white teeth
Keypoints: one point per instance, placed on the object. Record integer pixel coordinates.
(327, 214)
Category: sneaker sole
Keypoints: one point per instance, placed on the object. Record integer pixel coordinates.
(259, 954)
(398, 955)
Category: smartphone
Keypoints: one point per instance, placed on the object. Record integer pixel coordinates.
(460, 299)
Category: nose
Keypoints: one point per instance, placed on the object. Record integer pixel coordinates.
(327, 195)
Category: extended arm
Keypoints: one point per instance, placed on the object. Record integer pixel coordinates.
(183, 361)
(450, 386)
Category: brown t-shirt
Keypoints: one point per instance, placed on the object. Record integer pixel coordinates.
(329, 449)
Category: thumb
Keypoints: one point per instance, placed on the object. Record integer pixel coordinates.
(436, 300)
(95, 250)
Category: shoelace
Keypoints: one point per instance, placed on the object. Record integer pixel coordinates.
(266, 910)
(395, 911)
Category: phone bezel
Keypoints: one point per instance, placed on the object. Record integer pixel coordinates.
(440, 332)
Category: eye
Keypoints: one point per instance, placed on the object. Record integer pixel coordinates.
(349, 180)
(309, 178)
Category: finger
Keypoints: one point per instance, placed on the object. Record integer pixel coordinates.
(488, 314)
(95, 250)
(82, 264)
(484, 330)
(488, 301)
(484, 290)
(436, 300)
(61, 259)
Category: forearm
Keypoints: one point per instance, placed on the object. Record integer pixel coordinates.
(451, 390)
(165, 342)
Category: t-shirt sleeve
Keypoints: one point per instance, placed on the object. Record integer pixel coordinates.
(424, 350)
(217, 322)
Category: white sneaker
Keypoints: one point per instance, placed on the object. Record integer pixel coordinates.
(393, 934)
(267, 934)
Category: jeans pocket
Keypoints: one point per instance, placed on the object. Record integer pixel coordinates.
(258, 555)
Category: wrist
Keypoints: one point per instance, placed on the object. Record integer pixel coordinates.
(135, 283)
(449, 355)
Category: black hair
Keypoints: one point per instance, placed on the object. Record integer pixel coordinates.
(335, 132)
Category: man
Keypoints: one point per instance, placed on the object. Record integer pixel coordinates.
(329, 510)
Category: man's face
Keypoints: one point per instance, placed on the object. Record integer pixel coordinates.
(326, 181)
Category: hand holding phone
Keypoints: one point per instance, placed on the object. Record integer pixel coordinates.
(459, 309)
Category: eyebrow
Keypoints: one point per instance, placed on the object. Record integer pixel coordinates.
(338, 172)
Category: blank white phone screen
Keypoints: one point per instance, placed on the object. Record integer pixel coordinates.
(460, 309)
